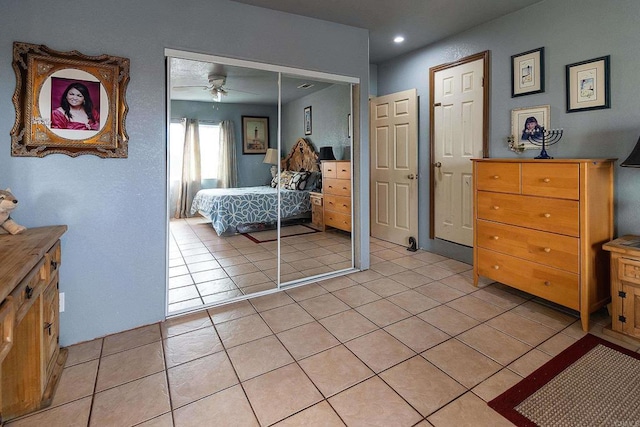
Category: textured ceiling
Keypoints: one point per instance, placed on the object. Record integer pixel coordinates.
(421, 22)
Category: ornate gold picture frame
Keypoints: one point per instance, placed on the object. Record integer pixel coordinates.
(68, 103)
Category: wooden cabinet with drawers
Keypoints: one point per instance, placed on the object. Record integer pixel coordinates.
(30, 355)
(317, 214)
(539, 226)
(625, 285)
(336, 191)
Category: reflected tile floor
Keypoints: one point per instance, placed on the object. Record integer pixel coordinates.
(409, 342)
(205, 268)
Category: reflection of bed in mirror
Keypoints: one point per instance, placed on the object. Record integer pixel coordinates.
(233, 210)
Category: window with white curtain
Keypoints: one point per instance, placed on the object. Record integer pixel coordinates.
(209, 149)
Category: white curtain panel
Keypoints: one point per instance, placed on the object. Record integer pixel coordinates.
(227, 169)
(191, 175)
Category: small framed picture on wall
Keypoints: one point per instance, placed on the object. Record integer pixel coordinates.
(588, 86)
(527, 72)
(307, 120)
(255, 135)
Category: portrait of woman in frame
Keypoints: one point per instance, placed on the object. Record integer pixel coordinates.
(68, 103)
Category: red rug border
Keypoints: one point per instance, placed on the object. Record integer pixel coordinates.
(505, 403)
(254, 240)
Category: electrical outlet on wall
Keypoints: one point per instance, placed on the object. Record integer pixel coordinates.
(61, 300)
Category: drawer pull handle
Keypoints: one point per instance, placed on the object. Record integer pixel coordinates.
(28, 291)
(546, 180)
(547, 250)
(54, 265)
(495, 237)
(47, 327)
(496, 176)
(496, 267)
(547, 283)
(496, 208)
(344, 188)
(547, 215)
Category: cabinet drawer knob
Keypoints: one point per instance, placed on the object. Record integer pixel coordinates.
(54, 265)
(496, 176)
(547, 283)
(547, 215)
(47, 327)
(495, 237)
(28, 292)
(496, 267)
(496, 207)
(546, 180)
(547, 250)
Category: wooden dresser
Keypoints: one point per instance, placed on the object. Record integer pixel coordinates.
(30, 354)
(625, 285)
(336, 191)
(540, 225)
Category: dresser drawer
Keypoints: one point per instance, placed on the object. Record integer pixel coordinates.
(554, 250)
(549, 283)
(629, 270)
(338, 187)
(329, 170)
(551, 180)
(546, 214)
(7, 326)
(500, 177)
(316, 200)
(337, 220)
(26, 293)
(50, 327)
(343, 170)
(53, 258)
(338, 203)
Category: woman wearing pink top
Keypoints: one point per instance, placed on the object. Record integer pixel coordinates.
(76, 110)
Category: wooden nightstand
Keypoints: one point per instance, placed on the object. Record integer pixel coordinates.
(625, 285)
(317, 214)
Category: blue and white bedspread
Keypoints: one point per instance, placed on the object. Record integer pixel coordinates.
(230, 207)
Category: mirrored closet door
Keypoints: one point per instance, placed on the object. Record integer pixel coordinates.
(251, 151)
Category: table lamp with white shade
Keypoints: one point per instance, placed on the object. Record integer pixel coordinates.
(273, 159)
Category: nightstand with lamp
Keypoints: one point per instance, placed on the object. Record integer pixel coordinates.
(625, 275)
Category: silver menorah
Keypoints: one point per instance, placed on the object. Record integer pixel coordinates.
(545, 138)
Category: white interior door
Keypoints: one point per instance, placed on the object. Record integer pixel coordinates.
(458, 136)
(394, 167)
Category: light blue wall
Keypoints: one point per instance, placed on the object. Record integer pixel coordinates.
(570, 31)
(114, 254)
(329, 110)
(251, 170)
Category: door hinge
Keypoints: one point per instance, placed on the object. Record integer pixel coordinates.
(622, 294)
(622, 319)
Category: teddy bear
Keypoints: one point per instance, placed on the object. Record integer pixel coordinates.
(8, 203)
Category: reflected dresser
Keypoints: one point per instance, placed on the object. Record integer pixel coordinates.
(336, 194)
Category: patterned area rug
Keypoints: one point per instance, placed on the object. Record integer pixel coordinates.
(591, 383)
(272, 235)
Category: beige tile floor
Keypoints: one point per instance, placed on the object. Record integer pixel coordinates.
(409, 342)
(205, 268)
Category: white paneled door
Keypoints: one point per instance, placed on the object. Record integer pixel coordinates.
(394, 167)
(458, 136)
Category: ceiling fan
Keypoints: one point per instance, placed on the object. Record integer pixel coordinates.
(216, 86)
